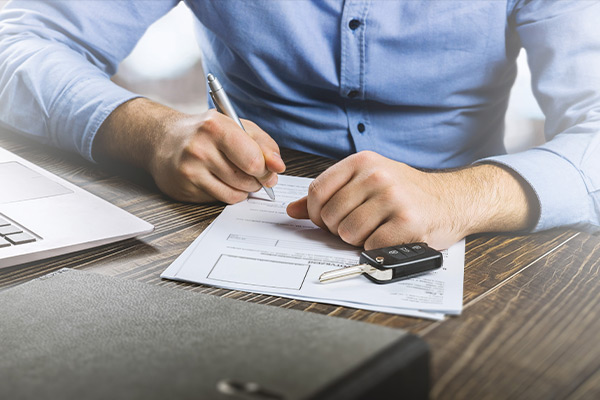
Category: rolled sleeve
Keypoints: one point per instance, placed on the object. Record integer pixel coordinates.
(76, 130)
(56, 58)
(562, 41)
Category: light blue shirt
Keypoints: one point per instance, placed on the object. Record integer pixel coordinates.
(422, 82)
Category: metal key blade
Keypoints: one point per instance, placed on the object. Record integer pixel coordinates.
(344, 273)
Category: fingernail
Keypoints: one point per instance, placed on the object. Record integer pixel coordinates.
(277, 155)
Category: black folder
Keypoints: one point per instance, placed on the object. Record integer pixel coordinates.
(79, 335)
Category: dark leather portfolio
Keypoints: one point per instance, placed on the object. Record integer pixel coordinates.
(79, 335)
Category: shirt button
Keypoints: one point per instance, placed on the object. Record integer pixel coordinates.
(354, 24)
(360, 127)
(353, 93)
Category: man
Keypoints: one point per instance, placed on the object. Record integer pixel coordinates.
(396, 87)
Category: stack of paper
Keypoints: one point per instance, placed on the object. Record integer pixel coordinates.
(255, 246)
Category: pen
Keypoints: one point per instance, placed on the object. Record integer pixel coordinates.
(224, 106)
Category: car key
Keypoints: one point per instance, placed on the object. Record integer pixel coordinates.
(390, 264)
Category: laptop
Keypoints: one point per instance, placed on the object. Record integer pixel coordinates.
(42, 215)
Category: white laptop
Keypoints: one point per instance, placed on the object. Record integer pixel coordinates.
(42, 215)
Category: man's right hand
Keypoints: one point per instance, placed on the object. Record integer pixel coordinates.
(195, 158)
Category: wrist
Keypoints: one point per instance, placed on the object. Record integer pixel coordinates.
(491, 198)
(133, 132)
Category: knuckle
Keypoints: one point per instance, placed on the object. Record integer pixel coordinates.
(328, 216)
(194, 151)
(256, 166)
(411, 225)
(210, 124)
(364, 157)
(410, 216)
(315, 189)
(348, 235)
(380, 177)
(186, 171)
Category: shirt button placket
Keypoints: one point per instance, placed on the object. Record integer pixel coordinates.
(352, 69)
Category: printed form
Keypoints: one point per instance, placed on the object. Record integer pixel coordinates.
(255, 246)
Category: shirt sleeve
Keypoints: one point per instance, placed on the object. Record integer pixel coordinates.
(56, 58)
(562, 41)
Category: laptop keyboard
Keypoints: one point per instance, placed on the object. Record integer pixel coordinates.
(11, 234)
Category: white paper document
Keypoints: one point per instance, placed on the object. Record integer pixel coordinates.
(255, 246)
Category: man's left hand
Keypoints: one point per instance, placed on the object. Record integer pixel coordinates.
(372, 201)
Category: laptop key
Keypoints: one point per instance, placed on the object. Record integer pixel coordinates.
(4, 242)
(20, 238)
(4, 222)
(10, 230)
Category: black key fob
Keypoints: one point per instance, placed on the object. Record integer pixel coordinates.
(390, 264)
(404, 261)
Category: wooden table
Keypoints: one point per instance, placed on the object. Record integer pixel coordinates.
(530, 327)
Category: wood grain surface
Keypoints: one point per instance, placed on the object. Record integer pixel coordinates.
(530, 323)
(534, 337)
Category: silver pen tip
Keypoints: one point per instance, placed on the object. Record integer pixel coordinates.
(270, 193)
(210, 77)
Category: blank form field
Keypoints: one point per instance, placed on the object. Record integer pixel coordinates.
(259, 272)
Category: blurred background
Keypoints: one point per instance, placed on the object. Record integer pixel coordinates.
(166, 66)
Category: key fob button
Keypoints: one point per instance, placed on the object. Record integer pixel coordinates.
(417, 248)
(396, 254)
(406, 251)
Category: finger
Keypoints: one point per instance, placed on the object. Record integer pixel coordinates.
(231, 175)
(390, 233)
(324, 187)
(201, 186)
(343, 203)
(268, 146)
(218, 189)
(197, 164)
(241, 149)
(274, 161)
(270, 180)
(361, 223)
(297, 209)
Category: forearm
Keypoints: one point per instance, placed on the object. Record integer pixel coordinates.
(133, 131)
(488, 198)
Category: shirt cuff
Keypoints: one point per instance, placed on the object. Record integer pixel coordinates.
(99, 118)
(82, 110)
(558, 185)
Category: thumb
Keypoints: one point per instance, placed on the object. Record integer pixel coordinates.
(268, 146)
(298, 209)
(274, 161)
